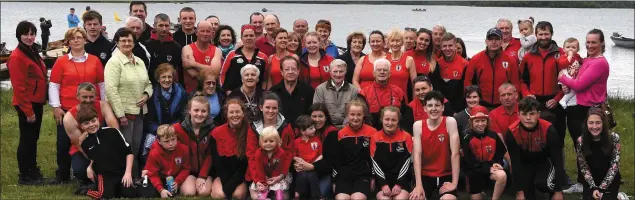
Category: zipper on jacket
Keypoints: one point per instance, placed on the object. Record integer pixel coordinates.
(493, 77)
(35, 89)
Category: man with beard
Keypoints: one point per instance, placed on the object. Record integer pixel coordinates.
(96, 43)
(199, 55)
(187, 33)
(163, 49)
(490, 68)
(139, 10)
(511, 45)
(265, 44)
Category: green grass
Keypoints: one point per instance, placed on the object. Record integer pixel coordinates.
(46, 153)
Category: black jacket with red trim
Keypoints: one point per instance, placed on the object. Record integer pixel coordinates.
(164, 51)
(539, 74)
(349, 152)
(448, 79)
(529, 148)
(391, 157)
(230, 77)
(162, 163)
(481, 151)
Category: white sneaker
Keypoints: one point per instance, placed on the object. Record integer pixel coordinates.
(622, 196)
(576, 188)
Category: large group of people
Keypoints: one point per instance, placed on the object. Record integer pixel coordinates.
(272, 113)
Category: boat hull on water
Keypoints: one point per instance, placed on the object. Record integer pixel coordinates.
(623, 42)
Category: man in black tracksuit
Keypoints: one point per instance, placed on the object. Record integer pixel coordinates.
(110, 155)
(536, 153)
(96, 43)
(163, 49)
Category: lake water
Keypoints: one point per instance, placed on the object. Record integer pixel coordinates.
(469, 23)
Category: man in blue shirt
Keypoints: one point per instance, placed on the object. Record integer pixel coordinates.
(72, 19)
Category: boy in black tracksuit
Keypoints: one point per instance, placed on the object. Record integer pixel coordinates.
(535, 150)
(110, 155)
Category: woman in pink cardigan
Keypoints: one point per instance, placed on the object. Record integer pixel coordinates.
(589, 86)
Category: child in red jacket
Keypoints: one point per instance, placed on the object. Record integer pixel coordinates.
(167, 159)
(269, 167)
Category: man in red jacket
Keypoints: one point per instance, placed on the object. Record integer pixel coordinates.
(490, 68)
(510, 45)
(539, 75)
(168, 158)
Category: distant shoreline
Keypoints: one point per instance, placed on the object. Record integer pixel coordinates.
(526, 4)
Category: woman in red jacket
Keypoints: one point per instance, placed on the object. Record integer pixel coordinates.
(194, 133)
(68, 72)
(231, 150)
(28, 78)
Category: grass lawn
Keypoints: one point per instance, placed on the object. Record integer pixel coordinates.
(46, 149)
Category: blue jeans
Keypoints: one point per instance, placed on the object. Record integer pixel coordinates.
(63, 158)
(326, 187)
(79, 164)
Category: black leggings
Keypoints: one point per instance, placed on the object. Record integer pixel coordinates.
(576, 117)
(29, 135)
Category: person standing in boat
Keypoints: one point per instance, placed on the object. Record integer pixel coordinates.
(187, 33)
(45, 25)
(96, 43)
(28, 78)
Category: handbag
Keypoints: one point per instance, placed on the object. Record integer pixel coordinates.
(608, 111)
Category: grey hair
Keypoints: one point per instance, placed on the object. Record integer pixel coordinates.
(506, 21)
(440, 26)
(248, 67)
(134, 19)
(337, 63)
(88, 86)
(161, 17)
(380, 61)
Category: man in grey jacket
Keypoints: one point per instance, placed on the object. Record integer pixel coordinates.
(336, 92)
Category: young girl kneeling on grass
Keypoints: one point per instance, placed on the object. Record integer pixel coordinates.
(110, 157)
(168, 159)
(270, 166)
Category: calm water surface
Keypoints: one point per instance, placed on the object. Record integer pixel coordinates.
(469, 23)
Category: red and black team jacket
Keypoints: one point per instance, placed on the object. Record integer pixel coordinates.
(391, 157)
(200, 160)
(529, 148)
(449, 78)
(162, 163)
(230, 77)
(489, 73)
(349, 152)
(228, 165)
(378, 96)
(481, 151)
(539, 72)
(263, 166)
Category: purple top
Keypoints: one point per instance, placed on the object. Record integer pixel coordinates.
(590, 86)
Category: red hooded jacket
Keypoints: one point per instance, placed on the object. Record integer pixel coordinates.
(162, 163)
(539, 71)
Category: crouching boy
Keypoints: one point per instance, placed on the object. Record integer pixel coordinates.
(110, 157)
(168, 161)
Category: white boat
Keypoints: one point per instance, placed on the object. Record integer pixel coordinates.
(621, 41)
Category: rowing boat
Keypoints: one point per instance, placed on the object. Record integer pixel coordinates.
(621, 41)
